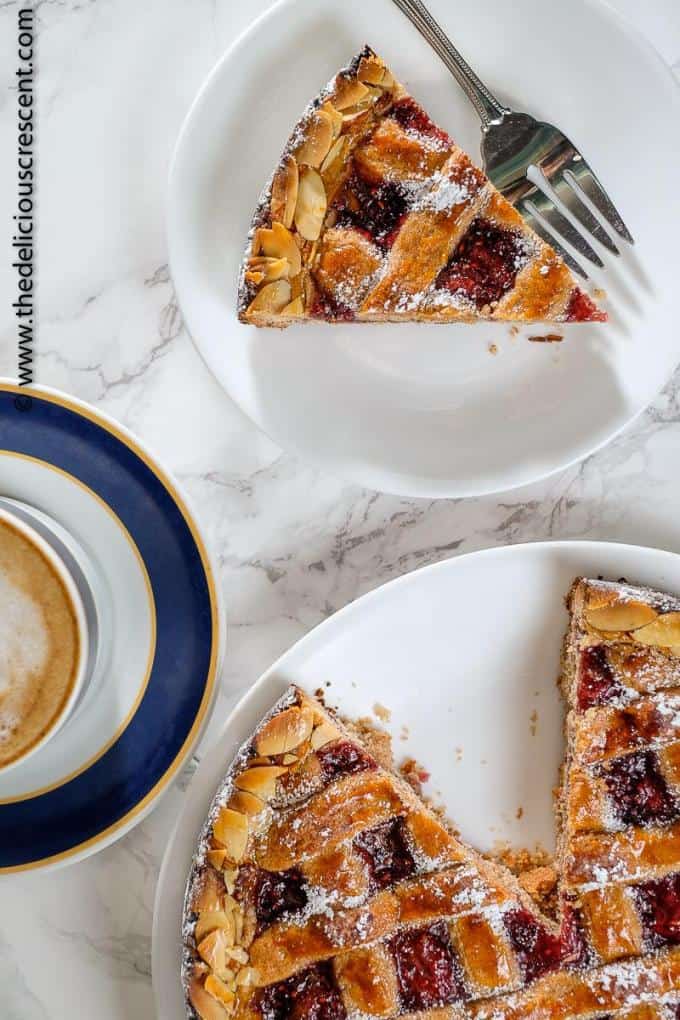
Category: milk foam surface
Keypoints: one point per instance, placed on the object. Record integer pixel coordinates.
(24, 646)
(39, 644)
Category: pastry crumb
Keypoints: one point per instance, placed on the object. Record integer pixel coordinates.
(414, 774)
(381, 712)
(493, 348)
(599, 294)
(514, 331)
(535, 871)
(533, 723)
(519, 813)
(459, 753)
(404, 733)
(549, 338)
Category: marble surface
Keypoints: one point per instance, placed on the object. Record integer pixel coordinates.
(116, 78)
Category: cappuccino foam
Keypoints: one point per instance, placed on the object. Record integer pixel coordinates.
(39, 644)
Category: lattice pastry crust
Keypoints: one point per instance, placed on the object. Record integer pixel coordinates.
(324, 888)
(374, 214)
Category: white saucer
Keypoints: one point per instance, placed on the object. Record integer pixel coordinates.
(415, 409)
(465, 654)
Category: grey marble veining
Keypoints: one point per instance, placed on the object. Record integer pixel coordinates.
(294, 545)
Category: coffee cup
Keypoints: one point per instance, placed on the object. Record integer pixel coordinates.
(44, 640)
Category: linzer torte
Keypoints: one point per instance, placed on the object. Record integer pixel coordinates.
(324, 888)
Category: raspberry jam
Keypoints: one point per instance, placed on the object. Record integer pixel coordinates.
(310, 995)
(412, 117)
(575, 952)
(582, 308)
(385, 850)
(638, 790)
(277, 894)
(485, 264)
(659, 907)
(376, 210)
(341, 757)
(597, 684)
(325, 307)
(428, 972)
(538, 950)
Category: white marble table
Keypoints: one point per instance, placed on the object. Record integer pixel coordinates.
(116, 78)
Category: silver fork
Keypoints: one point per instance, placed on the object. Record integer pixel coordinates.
(514, 143)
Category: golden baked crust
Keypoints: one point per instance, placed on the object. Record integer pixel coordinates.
(325, 889)
(375, 215)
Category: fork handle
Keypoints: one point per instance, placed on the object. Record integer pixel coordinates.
(483, 99)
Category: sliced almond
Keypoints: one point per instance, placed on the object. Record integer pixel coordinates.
(279, 243)
(664, 632)
(220, 991)
(246, 976)
(231, 827)
(285, 731)
(260, 781)
(208, 892)
(213, 921)
(324, 734)
(335, 152)
(272, 299)
(372, 96)
(311, 205)
(213, 949)
(284, 192)
(205, 1005)
(335, 116)
(237, 954)
(262, 269)
(247, 803)
(319, 134)
(371, 70)
(621, 616)
(295, 308)
(289, 759)
(216, 858)
(230, 876)
(348, 92)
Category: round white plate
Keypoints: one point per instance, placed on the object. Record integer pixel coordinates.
(465, 655)
(160, 619)
(416, 409)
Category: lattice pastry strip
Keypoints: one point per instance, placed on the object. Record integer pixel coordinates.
(374, 214)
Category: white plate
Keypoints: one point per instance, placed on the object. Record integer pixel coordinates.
(465, 654)
(415, 409)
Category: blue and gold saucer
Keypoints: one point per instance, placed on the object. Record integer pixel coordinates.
(160, 615)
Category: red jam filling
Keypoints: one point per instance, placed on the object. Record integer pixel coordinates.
(375, 209)
(341, 757)
(582, 308)
(278, 893)
(538, 950)
(638, 790)
(325, 307)
(597, 684)
(428, 972)
(310, 995)
(485, 264)
(385, 850)
(575, 953)
(412, 117)
(659, 906)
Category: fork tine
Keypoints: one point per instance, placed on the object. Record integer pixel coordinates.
(580, 172)
(569, 197)
(545, 207)
(538, 228)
